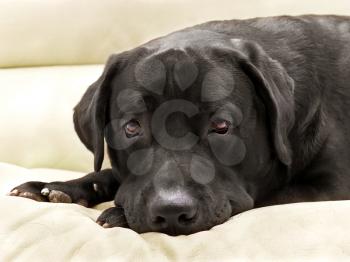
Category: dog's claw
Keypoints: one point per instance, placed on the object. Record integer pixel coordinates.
(26, 194)
(31, 195)
(45, 191)
(14, 192)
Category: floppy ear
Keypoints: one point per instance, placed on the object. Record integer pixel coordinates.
(275, 87)
(90, 113)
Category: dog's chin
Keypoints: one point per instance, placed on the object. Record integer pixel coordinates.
(171, 231)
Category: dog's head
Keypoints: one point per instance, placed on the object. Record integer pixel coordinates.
(196, 126)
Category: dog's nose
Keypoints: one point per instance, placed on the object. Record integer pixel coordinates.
(173, 211)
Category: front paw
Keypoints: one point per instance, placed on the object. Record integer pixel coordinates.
(55, 192)
(112, 217)
(30, 190)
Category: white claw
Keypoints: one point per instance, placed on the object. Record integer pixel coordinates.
(45, 191)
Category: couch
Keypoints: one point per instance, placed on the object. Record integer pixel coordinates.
(50, 52)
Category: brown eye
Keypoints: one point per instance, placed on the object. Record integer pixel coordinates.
(220, 126)
(132, 128)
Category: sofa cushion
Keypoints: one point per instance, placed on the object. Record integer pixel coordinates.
(37, 116)
(33, 231)
(86, 31)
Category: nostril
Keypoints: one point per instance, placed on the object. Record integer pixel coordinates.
(186, 218)
(159, 220)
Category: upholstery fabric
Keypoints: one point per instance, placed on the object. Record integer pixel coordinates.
(36, 33)
(36, 111)
(33, 231)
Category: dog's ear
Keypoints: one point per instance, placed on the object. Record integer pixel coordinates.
(276, 88)
(90, 113)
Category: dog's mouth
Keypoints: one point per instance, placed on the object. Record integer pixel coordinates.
(200, 221)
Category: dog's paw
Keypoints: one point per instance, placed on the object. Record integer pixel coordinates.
(30, 190)
(56, 192)
(112, 217)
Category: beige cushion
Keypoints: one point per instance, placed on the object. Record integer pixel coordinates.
(86, 31)
(37, 116)
(33, 231)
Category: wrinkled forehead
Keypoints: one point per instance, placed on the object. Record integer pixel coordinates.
(186, 72)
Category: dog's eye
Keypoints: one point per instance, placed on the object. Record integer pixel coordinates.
(219, 126)
(132, 128)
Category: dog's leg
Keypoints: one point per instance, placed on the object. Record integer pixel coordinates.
(89, 190)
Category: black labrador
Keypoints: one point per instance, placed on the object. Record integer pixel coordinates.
(213, 120)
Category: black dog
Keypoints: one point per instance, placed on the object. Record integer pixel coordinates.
(214, 120)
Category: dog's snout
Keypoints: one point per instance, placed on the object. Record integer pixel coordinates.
(173, 211)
